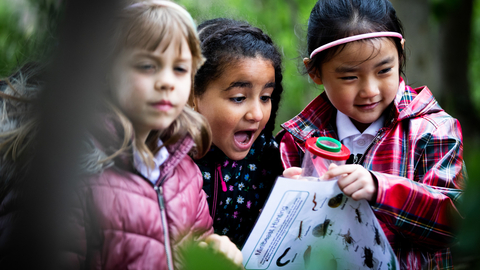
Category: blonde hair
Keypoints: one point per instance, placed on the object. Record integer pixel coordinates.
(17, 117)
(18, 123)
(148, 25)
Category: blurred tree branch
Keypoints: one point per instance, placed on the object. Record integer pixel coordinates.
(456, 25)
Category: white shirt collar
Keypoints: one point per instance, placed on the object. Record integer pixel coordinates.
(346, 128)
(158, 159)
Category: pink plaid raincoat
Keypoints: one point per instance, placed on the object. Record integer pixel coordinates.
(417, 159)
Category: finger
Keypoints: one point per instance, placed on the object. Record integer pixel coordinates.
(292, 172)
(226, 247)
(349, 190)
(238, 260)
(367, 192)
(345, 180)
(358, 185)
(326, 175)
(335, 170)
(214, 241)
(231, 251)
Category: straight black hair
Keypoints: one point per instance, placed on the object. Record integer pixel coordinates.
(331, 20)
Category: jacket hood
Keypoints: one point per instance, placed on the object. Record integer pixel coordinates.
(408, 103)
(411, 103)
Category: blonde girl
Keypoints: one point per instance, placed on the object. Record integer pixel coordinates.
(142, 201)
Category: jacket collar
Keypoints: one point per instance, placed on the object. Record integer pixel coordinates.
(318, 117)
(109, 132)
(177, 152)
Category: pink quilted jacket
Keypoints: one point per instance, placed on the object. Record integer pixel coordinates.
(122, 217)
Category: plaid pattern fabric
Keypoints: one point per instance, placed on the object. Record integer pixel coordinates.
(417, 159)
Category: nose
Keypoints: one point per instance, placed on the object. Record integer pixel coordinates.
(165, 80)
(255, 113)
(370, 89)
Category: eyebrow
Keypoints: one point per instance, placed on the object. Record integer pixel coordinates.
(347, 69)
(242, 84)
(269, 85)
(151, 55)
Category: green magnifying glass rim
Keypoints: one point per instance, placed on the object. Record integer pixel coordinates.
(329, 144)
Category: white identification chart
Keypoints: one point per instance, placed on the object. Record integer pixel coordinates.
(313, 225)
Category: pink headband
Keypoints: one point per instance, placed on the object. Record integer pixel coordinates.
(166, 3)
(354, 38)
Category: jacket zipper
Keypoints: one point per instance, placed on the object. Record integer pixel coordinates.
(357, 160)
(166, 236)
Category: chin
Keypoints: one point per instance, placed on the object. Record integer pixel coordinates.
(237, 155)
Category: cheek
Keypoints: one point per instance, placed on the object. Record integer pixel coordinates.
(340, 95)
(183, 100)
(122, 86)
(121, 94)
(186, 89)
(393, 88)
(267, 111)
(128, 95)
(222, 122)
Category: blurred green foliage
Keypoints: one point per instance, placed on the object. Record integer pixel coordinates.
(205, 258)
(27, 31)
(12, 39)
(475, 55)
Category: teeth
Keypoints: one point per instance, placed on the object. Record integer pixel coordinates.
(243, 137)
(247, 139)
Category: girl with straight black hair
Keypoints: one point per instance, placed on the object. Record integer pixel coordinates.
(407, 152)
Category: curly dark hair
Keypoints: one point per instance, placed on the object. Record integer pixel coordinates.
(224, 42)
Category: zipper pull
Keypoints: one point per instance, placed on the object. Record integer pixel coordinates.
(224, 185)
(355, 158)
(161, 202)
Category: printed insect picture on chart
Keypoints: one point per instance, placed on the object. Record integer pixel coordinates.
(307, 224)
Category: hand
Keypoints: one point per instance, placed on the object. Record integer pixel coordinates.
(292, 172)
(354, 180)
(223, 245)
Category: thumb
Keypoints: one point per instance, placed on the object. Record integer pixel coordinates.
(292, 172)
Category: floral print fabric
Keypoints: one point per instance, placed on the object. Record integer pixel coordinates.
(236, 203)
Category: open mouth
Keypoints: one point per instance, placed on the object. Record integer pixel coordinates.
(243, 137)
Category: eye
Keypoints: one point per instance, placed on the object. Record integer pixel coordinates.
(180, 69)
(348, 78)
(265, 99)
(146, 67)
(237, 99)
(386, 70)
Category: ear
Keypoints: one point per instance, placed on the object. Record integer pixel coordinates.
(191, 99)
(313, 73)
(194, 103)
(403, 43)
